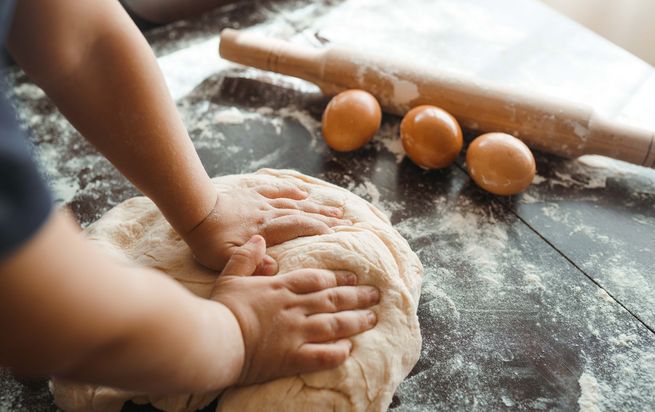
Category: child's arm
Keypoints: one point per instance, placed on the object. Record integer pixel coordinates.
(69, 311)
(90, 58)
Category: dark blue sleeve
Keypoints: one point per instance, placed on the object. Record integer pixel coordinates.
(25, 202)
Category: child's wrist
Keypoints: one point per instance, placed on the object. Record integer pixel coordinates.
(185, 215)
(209, 214)
(227, 345)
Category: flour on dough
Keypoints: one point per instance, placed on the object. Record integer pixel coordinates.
(381, 358)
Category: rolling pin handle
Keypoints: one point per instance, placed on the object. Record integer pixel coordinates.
(271, 54)
(621, 141)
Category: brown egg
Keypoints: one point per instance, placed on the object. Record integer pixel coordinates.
(350, 120)
(500, 163)
(431, 137)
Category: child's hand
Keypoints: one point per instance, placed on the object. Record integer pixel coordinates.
(294, 322)
(276, 213)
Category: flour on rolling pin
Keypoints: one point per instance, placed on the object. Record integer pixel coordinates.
(404, 91)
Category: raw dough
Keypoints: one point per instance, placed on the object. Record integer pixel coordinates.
(377, 253)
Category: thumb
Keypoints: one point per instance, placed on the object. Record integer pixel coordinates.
(267, 267)
(245, 259)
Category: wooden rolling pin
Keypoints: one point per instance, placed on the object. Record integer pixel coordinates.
(542, 122)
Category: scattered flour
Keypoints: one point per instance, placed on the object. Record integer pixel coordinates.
(567, 180)
(615, 166)
(266, 160)
(624, 340)
(623, 378)
(64, 189)
(29, 91)
(527, 198)
(507, 400)
(486, 239)
(369, 191)
(531, 276)
(230, 116)
(188, 67)
(302, 117)
(482, 241)
(602, 294)
(388, 136)
(538, 180)
(591, 398)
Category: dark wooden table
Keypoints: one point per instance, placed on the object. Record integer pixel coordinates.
(542, 301)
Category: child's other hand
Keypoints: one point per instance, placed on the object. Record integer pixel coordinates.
(277, 213)
(294, 322)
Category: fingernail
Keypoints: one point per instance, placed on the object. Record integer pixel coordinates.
(336, 212)
(269, 260)
(372, 318)
(350, 345)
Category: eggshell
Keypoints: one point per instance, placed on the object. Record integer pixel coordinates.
(431, 137)
(500, 163)
(350, 120)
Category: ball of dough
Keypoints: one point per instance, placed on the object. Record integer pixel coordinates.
(135, 231)
(500, 163)
(350, 120)
(431, 137)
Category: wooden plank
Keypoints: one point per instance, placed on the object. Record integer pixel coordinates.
(601, 214)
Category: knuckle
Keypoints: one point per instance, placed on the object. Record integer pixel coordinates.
(335, 326)
(367, 295)
(298, 220)
(327, 358)
(333, 298)
(363, 296)
(292, 283)
(315, 279)
(243, 253)
(346, 278)
(310, 207)
(279, 283)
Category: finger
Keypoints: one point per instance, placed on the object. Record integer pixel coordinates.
(281, 190)
(306, 206)
(245, 259)
(341, 298)
(330, 221)
(285, 228)
(318, 356)
(314, 280)
(325, 327)
(268, 267)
